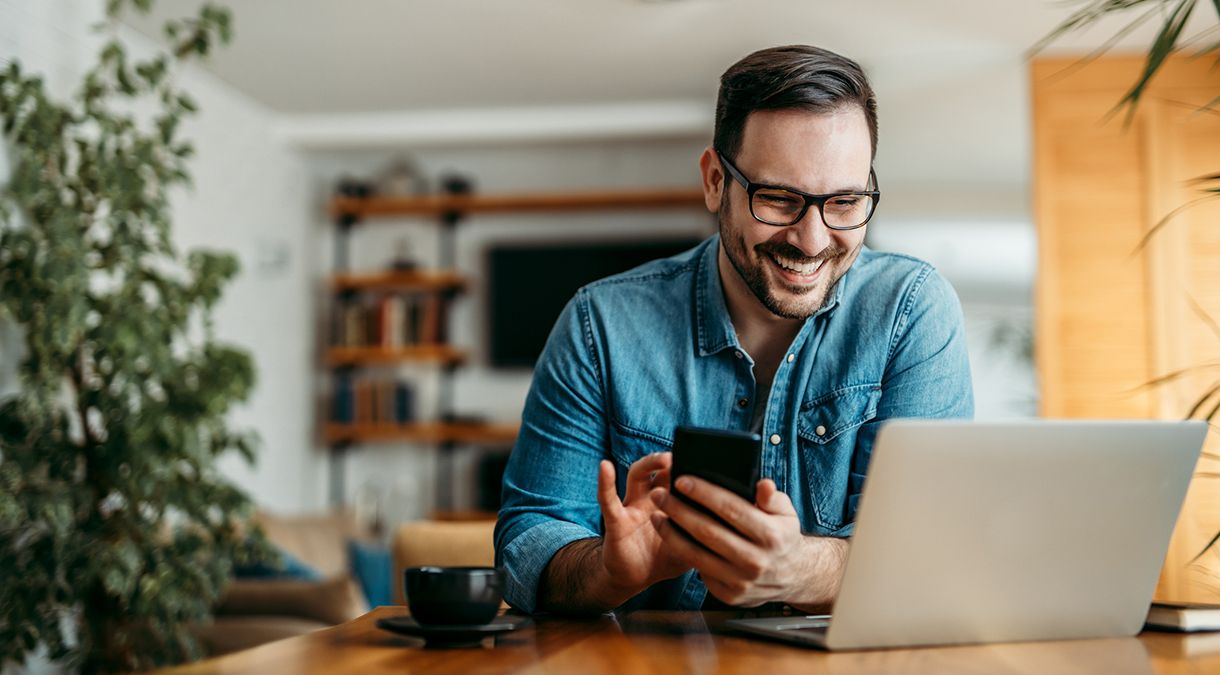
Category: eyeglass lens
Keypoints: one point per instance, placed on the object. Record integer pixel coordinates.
(780, 207)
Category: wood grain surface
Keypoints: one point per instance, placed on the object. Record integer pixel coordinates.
(669, 643)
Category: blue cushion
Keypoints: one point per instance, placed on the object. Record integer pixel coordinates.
(287, 566)
(372, 566)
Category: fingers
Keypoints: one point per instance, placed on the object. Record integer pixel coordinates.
(648, 472)
(682, 547)
(649, 464)
(768, 498)
(607, 493)
(704, 529)
(735, 511)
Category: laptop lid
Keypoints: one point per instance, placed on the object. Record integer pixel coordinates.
(1026, 530)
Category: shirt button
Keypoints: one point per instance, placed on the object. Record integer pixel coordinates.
(737, 354)
(743, 402)
(791, 358)
(775, 439)
(821, 430)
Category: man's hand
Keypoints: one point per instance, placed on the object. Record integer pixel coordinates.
(632, 551)
(762, 557)
(601, 573)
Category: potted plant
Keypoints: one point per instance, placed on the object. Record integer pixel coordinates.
(117, 531)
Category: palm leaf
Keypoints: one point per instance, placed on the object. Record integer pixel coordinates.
(1173, 376)
(1203, 400)
(1205, 548)
(1212, 193)
(1161, 48)
(1079, 19)
(1096, 53)
(1215, 409)
(1202, 314)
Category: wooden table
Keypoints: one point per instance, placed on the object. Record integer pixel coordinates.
(668, 643)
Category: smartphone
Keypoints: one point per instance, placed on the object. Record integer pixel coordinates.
(729, 459)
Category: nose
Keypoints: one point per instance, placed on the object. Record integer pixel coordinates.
(810, 233)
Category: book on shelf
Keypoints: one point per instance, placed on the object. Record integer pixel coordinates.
(343, 405)
(391, 321)
(1184, 616)
(375, 402)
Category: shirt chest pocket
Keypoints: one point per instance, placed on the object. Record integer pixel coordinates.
(629, 445)
(826, 432)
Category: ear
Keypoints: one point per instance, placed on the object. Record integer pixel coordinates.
(713, 179)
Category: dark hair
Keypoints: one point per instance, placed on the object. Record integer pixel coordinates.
(797, 76)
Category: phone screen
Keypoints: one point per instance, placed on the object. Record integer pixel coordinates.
(729, 459)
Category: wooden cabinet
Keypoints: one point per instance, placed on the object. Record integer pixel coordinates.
(1114, 317)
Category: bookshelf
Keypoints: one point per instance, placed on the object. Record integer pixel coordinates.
(359, 342)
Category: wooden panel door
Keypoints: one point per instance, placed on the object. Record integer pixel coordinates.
(1113, 316)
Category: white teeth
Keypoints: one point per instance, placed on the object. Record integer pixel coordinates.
(804, 269)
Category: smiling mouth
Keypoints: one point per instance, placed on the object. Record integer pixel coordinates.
(797, 270)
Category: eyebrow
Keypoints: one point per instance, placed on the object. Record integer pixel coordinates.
(792, 188)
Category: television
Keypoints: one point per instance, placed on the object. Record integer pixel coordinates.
(530, 283)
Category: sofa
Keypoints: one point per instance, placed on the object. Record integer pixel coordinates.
(254, 611)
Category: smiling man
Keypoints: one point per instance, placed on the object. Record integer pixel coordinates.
(784, 324)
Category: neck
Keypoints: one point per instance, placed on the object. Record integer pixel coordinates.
(758, 328)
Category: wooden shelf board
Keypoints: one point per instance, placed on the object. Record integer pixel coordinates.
(462, 516)
(541, 202)
(413, 280)
(356, 356)
(423, 432)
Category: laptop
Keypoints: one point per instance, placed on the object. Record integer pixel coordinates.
(974, 532)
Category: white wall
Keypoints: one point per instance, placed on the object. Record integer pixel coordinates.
(249, 198)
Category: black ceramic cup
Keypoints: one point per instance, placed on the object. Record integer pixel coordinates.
(453, 596)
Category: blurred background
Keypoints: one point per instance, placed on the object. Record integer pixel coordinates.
(529, 99)
(550, 97)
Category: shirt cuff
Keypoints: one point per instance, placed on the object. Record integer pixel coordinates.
(526, 557)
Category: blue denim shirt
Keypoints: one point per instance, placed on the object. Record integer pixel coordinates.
(634, 355)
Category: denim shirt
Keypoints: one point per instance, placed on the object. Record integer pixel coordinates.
(636, 354)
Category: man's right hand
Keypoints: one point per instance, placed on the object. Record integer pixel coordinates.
(632, 551)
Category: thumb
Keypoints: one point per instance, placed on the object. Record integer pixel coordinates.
(607, 494)
(770, 499)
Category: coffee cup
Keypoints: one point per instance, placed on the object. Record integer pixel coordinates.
(453, 596)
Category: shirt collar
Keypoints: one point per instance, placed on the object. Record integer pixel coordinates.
(713, 326)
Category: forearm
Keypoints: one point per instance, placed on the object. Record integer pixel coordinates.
(576, 582)
(828, 556)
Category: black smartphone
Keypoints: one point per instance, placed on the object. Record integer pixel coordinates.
(729, 459)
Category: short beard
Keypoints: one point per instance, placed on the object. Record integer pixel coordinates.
(755, 277)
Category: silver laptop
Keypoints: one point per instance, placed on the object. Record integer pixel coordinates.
(991, 532)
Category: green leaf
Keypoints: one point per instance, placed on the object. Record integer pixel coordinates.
(1161, 48)
(96, 512)
(1207, 548)
(1160, 224)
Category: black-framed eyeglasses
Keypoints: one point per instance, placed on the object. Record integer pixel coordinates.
(781, 206)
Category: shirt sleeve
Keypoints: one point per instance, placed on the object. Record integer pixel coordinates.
(549, 496)
(927, 371)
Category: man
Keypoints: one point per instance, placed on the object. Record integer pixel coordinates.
(783, 323)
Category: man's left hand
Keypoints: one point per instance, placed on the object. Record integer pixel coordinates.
(763, 557)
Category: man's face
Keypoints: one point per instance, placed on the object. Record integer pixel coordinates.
(792, 269)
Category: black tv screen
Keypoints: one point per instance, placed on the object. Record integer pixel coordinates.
(529, 284)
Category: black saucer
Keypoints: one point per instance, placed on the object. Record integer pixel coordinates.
(452, 636)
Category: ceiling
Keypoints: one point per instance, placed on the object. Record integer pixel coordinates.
(326, 56)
